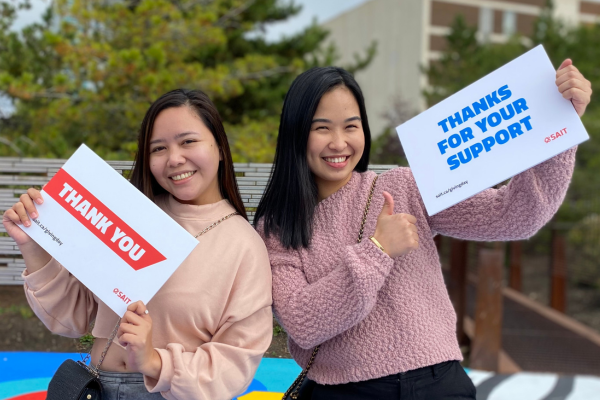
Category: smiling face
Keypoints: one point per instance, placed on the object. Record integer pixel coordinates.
(184, 156)
(336, 140)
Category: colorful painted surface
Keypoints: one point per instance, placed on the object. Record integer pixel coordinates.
(25, 376)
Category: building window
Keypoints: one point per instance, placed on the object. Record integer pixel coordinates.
(509, 23)
(486, 22)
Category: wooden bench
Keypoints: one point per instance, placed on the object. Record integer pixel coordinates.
(18, 174)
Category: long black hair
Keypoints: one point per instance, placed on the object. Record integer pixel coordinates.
(200, 103)
(289, 201)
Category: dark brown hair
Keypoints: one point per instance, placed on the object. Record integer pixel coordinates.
(198, 101)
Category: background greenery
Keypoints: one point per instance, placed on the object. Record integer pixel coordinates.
(90, 70)
(466, 60)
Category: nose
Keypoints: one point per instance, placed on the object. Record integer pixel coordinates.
(338, 141)
(176, 158)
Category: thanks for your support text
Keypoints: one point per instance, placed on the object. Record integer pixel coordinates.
(452, 188)
(47, 231)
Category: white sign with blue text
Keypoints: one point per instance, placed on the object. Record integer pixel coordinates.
(498, 127)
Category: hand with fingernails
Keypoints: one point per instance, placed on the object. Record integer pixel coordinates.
(17, 215)
(397, 233)
(16, 220)
(573, 86)
(135, 334)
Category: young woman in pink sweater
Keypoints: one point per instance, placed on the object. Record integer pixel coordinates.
(379, 309)
(207, 328)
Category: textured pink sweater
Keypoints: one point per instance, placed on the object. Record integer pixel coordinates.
(373, 315)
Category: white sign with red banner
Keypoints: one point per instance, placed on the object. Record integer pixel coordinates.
(501, 125)
(110, 236)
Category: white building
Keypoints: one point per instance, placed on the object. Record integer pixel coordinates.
(410, 33)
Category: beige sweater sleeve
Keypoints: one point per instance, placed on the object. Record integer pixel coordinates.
(224, 367)
(59, 300)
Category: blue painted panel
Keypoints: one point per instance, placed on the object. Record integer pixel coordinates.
(16, 388)
(20, 365)
(277, 374)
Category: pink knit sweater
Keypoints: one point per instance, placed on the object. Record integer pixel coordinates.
(373, 315)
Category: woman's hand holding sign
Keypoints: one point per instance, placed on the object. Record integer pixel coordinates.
(397, 233)
(34, 255)
(135, 334)
(17, 215)
(573, 86)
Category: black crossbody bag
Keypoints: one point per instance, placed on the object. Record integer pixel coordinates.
(75, 380)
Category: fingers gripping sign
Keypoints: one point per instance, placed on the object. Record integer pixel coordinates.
(397, 233)
(20, 213)
(573, 86)
(135, 334)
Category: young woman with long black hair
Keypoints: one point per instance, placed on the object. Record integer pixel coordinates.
(203, 334)
(379, 309)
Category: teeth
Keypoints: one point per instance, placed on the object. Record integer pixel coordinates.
(335, 159)
(183, 176)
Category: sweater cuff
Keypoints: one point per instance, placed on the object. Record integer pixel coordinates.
(167, 372)
(373, 256)
(40, 278)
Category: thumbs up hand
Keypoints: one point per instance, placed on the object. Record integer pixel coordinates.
(397, 233)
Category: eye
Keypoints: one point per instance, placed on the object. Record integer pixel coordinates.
(352, 127)
(321, 128)
(189, 141)
(157, 149)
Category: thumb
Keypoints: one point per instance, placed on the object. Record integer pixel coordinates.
(565, 63)
(388, 205)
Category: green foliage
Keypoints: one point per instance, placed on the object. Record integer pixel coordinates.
(277, 330)
(24, 311)
(86, 341)
(467, 60)
(253, 141)
(386, 149)
(89, 71)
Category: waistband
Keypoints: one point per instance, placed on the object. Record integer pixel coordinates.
(430, 370)
(120, 377)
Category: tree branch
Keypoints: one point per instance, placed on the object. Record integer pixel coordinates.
(235, 12)
(10, 144)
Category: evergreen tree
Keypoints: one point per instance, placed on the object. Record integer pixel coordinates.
(89, 71)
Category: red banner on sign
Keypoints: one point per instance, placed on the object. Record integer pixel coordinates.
(102, 222)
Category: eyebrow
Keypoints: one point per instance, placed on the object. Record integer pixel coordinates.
(328, 121)
(178, 136)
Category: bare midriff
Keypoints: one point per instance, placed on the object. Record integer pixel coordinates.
(116, 357)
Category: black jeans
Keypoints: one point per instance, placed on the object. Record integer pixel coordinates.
(443, 381)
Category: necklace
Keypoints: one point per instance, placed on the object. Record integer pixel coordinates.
(208, 228)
